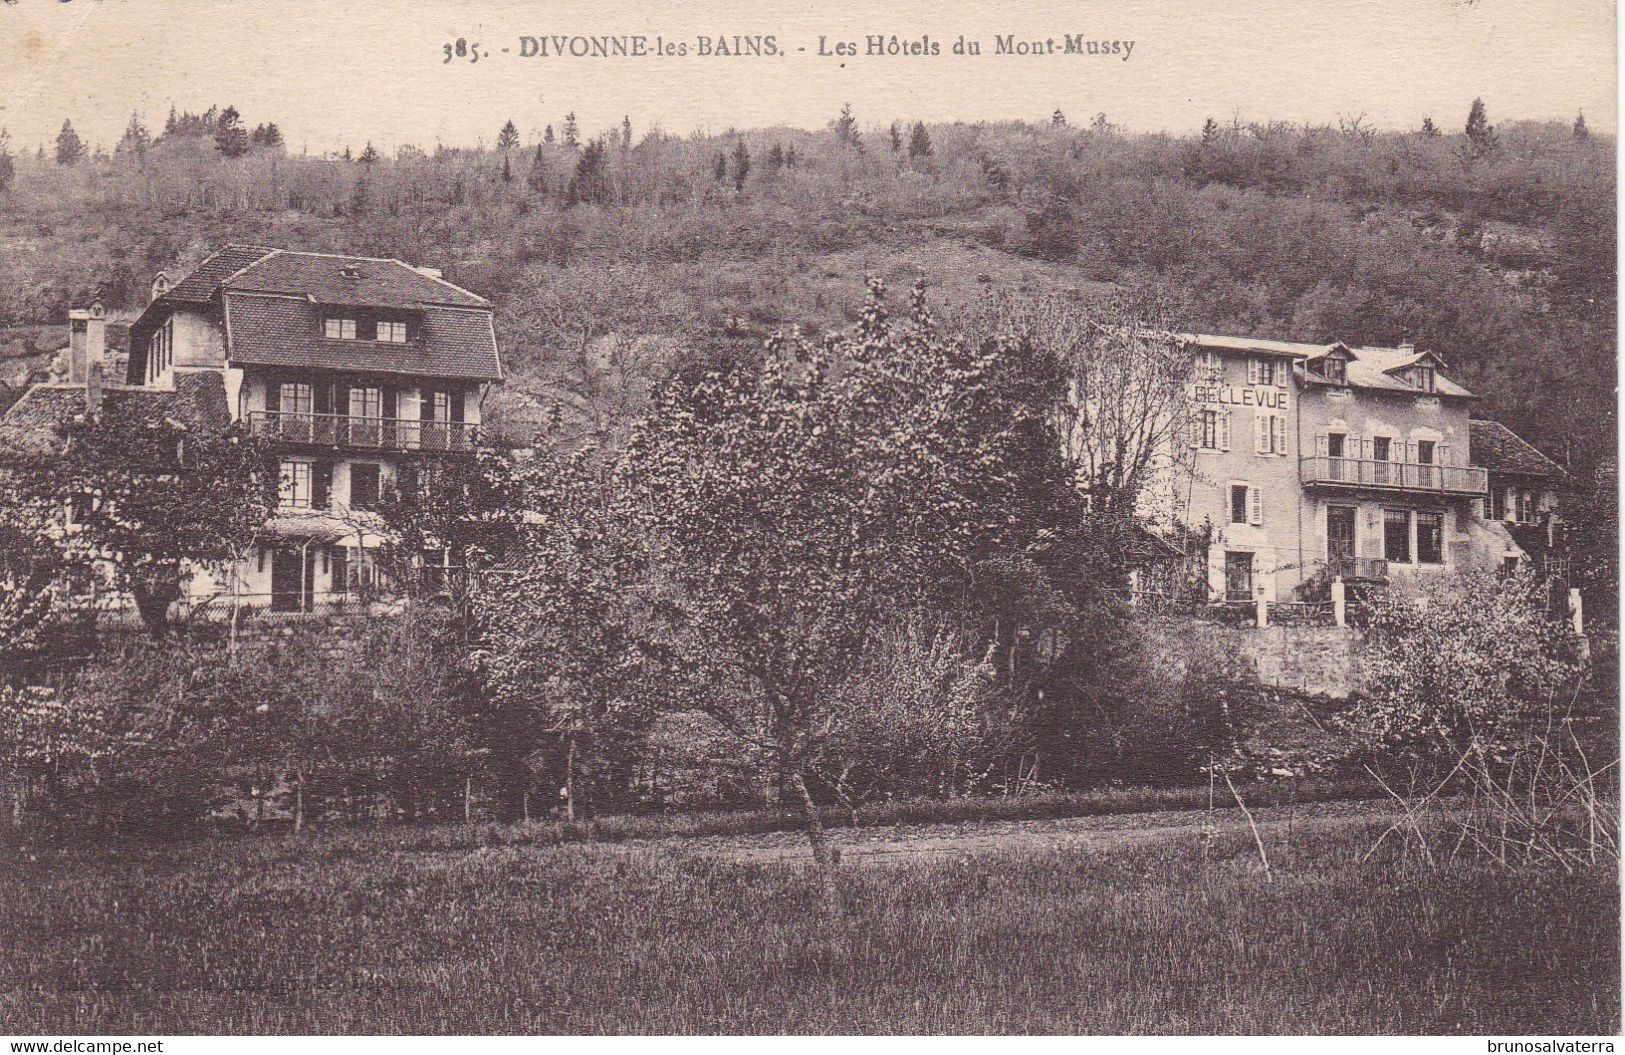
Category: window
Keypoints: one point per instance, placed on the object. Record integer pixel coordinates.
(1340, 536)
(1334, 370)
(1526, 507)
(1238, 503)
(1263, 370)
(1269, 434)
(294, 397)
(393, 332)
(364, 485)
(1423, 377)
(1381, 447)
(366, 402)
(1396, 535)
(1498, 503)
(1334, 444)
(295, 487)
(1209, 366)
(1424, 452)
(338, 561)
(340, 329)
(1429, 538)
(161, 350)
(1238, 576)
(80, 505)
(1213, 430)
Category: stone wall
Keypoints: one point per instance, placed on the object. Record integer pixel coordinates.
(1320, 661)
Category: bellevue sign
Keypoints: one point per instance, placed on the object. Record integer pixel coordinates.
(1264, 396)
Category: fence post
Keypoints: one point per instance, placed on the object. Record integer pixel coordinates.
(1576, 612)
(1339, 603)
(1263, 608)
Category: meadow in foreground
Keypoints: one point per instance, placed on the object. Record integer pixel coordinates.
(338, 935)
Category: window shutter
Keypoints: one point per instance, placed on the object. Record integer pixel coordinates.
(273, 395)
(1255, 507)
(426, 404)
(1278, 423)
(457, 404)
(321, 485)
(1323, 445)
(1252, 369)
(322, 398)
(339, 562)
(1224, 430)
(1193, 429)
(1441, 454)
(1261, 433)
(390, 397)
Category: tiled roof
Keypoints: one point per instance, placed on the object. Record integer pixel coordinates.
(287, 331)
(326, 277)
(200, 286)
(30, 426)
(1497, 448)
(1370, 369)
(1295, 349)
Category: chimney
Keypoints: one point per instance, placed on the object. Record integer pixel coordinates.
(160, 285)
(87, 341)
(93, 389)
(1407, 347)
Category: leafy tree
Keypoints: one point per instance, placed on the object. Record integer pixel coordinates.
(896, 133)
(797, 508)
(1100, 126)
(1480, 133)
(561, 643)
(919, 141)
(1057, 119)
(1428, 128)
(157, 497)
(69, 148)
(136, 138)
(230, 137)
(790, 157)
(508, 138)
(741, 164)
(572, 134)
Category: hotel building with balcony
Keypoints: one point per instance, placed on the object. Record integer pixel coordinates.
(347, 365)
(1311, 461)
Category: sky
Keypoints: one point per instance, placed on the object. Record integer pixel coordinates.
(338, 73)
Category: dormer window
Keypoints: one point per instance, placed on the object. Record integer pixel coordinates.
(340, 329)
(1424, 377)
(1334, 370)
(392, 332)
(350, 271)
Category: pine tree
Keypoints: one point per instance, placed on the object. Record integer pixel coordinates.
(846, 129)
(919, 141)
(536, 178)
(267, 135)
(719, 167)
(507, 170)
(741, 164)
(1479, 130)
(572, 134)
(1581, 132)
(626, 132)
(136, 138)
(1210, 132)
(1058, 119)
(547, 135)
(8, 168)
(1429, 130)
(790, 158)
(590, 183)
(70, 149)
(368, 154)
(173, 122)
(508, 138)
(775, 157)
(896, 138)
(346, 155)
(230, 138)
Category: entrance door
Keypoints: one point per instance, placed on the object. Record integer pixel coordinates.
(292, 578)
(1340, 539)
(1238, 576)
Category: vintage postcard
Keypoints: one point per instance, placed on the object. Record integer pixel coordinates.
(561, 518)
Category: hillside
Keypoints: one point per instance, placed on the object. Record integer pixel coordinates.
(612, 264)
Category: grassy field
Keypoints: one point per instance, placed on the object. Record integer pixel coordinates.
(346, 934)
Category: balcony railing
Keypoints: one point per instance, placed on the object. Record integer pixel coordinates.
(1321, 470)
(349, 430)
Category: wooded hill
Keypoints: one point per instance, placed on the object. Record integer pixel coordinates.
(615, 259)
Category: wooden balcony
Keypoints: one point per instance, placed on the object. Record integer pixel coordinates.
(363, 433)
(1323, 471)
